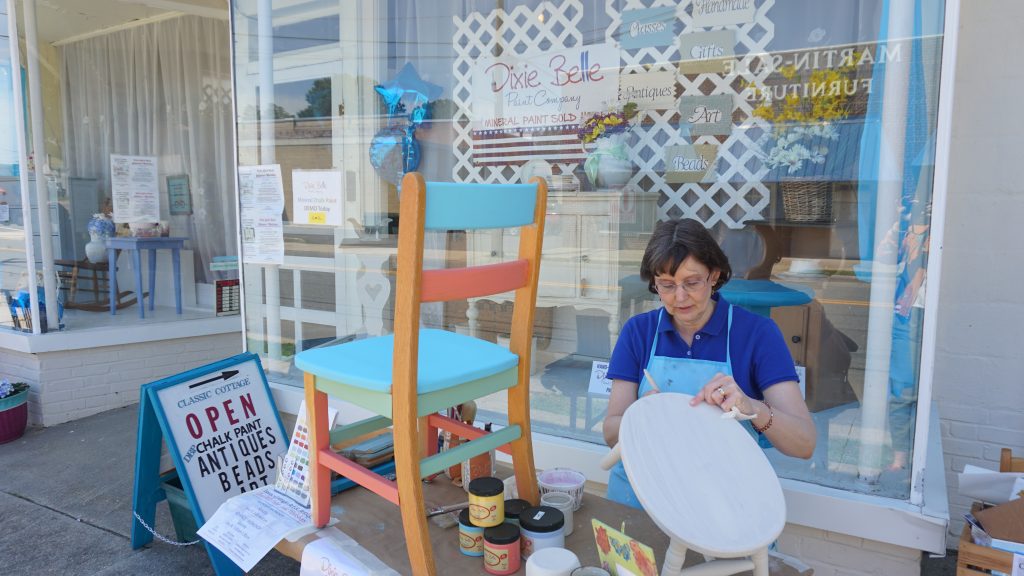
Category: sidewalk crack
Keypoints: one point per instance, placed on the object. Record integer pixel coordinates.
(66, 515)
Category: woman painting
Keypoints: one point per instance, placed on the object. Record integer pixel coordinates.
(699, 344)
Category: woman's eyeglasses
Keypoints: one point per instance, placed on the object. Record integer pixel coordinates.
(689, 286)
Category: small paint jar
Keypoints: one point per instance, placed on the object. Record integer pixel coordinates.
(501, 549)
(562, 502)
(541, 527)
(513, 508)
(471, 536)
(486, 501)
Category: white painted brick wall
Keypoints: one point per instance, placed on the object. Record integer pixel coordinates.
(834, 554)
(72, 384)
(979, 368)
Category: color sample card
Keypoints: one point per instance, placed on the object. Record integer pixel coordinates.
(706, 52)
(293, 475)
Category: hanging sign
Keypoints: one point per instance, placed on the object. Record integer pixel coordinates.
(135, 188)
(224, 435)
(707, 115)
(722, 12)
(544, 89)
(687, 164)
(649, 90)
(647, 27)
(707, 52)
(316, 197)
(261, 195)
(179, 195)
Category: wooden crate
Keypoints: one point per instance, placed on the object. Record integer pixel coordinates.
(973, 559)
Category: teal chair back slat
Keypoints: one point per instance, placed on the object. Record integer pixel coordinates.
(461, 206)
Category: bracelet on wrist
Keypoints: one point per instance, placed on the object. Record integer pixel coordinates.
(771, 417)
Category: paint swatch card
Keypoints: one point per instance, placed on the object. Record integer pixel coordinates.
(293, 475)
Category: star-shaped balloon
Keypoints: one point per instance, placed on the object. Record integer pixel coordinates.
(408, 81)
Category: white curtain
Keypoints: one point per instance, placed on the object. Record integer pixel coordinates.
(164, 90)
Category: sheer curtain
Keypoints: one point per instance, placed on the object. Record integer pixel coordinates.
(164, 90)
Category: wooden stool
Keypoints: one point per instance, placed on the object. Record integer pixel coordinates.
(704, 482)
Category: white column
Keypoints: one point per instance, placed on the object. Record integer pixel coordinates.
(26, 195)
(874, 407)
(268, 155)
(39, 147)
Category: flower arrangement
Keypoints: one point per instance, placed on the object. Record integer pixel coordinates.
(603, 125)
(7, 388)
(803, 123)
(101, 225)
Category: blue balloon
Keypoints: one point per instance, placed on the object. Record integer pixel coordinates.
(393, 152)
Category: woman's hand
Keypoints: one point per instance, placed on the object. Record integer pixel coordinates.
(724, 392)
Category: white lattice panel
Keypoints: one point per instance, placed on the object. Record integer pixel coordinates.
(494, 34)
(736, 194)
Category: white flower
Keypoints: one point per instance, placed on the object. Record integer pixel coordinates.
(799, 144)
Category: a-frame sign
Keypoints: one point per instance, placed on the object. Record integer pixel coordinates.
(223, 432)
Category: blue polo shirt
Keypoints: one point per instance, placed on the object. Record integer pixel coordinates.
(760, 357)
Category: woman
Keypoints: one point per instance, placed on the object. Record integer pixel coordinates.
(699, 344)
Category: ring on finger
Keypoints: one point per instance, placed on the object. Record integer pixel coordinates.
(722, 392)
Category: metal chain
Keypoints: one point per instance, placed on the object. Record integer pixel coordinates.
(158, 536)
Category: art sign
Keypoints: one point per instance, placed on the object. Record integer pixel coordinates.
(707, 52)
(707, 115)
(544, 89)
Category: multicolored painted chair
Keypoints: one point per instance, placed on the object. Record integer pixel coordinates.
(408, 377)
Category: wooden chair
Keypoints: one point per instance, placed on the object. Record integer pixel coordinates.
(408, 377)
(1009, 463)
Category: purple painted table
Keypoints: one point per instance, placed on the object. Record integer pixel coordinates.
(136, 246)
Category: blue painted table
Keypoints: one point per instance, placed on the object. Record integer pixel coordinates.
(135, 246)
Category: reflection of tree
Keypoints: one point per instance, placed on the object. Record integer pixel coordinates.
(319, 98)
(253, 113)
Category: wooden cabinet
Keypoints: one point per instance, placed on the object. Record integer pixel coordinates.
(591, 241)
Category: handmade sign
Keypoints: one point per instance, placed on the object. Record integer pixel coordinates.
(223, 433)
(707, 52)
(622, 555)
(722, 12)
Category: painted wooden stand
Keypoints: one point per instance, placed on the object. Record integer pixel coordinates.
(704, 482)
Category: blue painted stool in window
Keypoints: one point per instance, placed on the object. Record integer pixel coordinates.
(760, 296)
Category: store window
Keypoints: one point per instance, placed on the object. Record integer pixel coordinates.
(801, 134)
(137, 146)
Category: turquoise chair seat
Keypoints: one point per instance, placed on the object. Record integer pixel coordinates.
(446, 359)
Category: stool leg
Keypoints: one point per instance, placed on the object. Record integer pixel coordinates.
(319, 439)
(675, 556)
(760, 558)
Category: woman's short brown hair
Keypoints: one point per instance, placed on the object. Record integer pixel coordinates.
(672, 242)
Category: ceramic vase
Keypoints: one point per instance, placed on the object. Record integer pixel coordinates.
(609, 166)
(100, 228)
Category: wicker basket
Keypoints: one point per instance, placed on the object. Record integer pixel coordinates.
(807, 200)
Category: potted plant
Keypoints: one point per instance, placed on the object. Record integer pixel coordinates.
(13, 410)
(608, 164)
(804, 126)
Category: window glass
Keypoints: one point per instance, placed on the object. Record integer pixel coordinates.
(138, 130)
(801, 135)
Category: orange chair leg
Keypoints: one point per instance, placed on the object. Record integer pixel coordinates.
(522, 449)
(410, 495)
(319, 439)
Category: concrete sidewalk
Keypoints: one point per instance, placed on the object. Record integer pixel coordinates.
(66, 507)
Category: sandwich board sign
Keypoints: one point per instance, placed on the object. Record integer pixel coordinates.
(223, 433)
